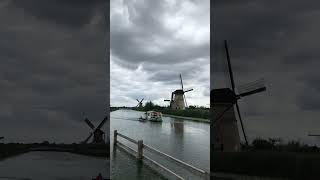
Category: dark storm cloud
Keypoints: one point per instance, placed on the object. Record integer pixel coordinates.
(308, 97)
(73, 13)
(53, 68)
(277, 41)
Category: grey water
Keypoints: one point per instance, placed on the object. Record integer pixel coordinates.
(53, 166)
(185, 140)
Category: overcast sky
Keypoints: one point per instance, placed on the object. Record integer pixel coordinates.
(152, 42)
(279, 41)
(53, 69)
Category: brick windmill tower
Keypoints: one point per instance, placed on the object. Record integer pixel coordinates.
(178, 99)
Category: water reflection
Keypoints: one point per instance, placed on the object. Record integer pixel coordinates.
(177, 127)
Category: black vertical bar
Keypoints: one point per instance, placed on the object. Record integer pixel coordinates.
(229, 65)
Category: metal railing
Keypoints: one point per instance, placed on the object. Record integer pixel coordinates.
(140, 156)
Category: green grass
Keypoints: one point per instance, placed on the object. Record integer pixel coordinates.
(270, 164)
(195, 113)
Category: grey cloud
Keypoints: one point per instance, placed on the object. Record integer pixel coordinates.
(52, 75)
(130, 44)
(67, 12)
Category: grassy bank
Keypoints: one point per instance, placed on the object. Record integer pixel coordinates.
(269, 164)
(271, 157)
(102, 150)
(12, 149)
(193, 113)
(114, 108)
(188, 118)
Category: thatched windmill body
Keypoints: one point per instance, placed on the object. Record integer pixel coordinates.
(178, 99)
(224, 127)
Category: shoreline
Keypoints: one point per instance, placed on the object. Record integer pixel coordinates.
(189, 118)
(181, 117)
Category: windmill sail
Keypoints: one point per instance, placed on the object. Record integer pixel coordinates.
(225, 134)
(181, 82)
(97, 133)
(252, 88)
(233, 89)
(89, 123)
(229, 65)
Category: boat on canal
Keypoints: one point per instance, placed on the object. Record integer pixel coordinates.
(154, 116)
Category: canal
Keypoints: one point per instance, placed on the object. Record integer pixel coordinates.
(186, 140)
(53, 166)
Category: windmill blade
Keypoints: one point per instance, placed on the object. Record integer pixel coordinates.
(89, 123)
(181, 82)
(243, 131)
(138, 100)
(317, 135)
(1, 137)
(102, 122)
(188, 90)
(252, 92)
(141, 100)
(251, 88)
(85, 141)
(166, 100)
(229, 65)
(185, 100)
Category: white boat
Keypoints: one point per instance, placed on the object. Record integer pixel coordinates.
(142, 119)
(154, 116)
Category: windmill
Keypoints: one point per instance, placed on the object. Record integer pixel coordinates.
(97, 133)
(139, 103)
(224, 124)
(178, 99)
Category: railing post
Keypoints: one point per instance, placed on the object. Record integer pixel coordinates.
(115, 137)
(140, 149)
(207, 176)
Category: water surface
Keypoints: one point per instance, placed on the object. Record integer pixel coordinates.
(53, 166)
(186, 140)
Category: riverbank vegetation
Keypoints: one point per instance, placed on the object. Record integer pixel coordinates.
(191, 111)
(114, 108)
(271, 158)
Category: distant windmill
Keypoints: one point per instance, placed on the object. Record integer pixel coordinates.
(224, 125)
(139, 102)
(178, 99)
(98, 134)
